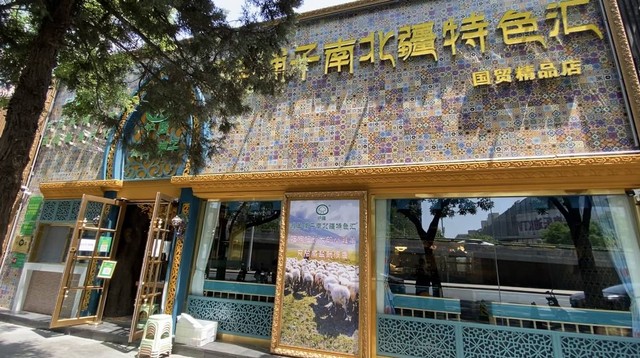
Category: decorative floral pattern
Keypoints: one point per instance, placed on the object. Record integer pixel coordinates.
(243, 318)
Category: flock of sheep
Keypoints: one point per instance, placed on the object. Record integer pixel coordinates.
(334, 284)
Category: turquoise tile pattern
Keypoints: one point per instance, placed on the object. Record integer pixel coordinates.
(238, 317)
(417, 337)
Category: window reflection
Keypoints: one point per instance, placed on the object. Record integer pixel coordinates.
(245, 242)
(480, 254)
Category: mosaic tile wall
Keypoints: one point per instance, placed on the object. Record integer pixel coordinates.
(425, 111)
(69, 150)
(12, 270)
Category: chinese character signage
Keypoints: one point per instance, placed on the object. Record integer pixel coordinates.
(419, 40)
(319, 288)
(422, 82)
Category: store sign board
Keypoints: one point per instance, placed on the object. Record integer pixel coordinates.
(31, 216)
(21, 244)
(516, 27)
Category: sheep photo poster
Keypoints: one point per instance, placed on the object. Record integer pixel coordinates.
(320, 283)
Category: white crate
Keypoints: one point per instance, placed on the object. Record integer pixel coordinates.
(195, 332)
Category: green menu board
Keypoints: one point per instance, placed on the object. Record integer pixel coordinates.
(106, 269)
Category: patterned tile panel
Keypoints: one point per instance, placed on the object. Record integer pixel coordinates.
(425, 111)
(69, 150)
(417, 337)
(596, 347)
(234, 316)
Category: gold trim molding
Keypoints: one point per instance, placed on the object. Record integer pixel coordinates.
(131, 190)
(576, 174)
(625, 57)
(75, 189)
(362, 5)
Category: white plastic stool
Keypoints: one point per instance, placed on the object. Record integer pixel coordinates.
(156, 337)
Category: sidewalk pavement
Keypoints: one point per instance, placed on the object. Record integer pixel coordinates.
(26, 334)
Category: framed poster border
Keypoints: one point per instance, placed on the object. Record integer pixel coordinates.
(363, 344)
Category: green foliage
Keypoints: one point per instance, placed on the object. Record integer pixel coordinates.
(558, 233)
(181, 59)
(16, 33)
(459, 206)
(403, 227)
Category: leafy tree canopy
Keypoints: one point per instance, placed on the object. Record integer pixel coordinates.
(558, 233)
(182, 58)
(411, 210)
(183, 55)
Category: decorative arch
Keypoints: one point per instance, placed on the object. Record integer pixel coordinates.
(123, 163)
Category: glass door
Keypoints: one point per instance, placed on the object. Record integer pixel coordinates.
(82, 292)
(152, 284)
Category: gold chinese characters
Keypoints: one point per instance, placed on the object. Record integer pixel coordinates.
(517, 27)
(526, 73)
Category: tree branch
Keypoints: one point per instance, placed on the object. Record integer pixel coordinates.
(560, 207)
(13, 4)
(159, 52)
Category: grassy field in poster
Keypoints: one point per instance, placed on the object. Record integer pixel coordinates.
(321, 282)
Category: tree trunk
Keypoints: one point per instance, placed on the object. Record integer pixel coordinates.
(579, 224)
(428, 237)
(27, 103)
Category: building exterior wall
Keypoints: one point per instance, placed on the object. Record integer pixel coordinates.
(477, 123)
(69, 151)
(424, 110)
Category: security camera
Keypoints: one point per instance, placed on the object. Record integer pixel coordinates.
(24, 188)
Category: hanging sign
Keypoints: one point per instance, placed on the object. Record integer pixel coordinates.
(104, 244)
(106, 269)
(86, 245)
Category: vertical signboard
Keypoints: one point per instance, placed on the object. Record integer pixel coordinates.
(319, 310)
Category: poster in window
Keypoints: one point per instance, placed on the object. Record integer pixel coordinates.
(319, 308)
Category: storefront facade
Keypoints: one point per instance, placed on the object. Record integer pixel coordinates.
(440, 179)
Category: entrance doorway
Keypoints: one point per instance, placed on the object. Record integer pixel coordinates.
(129, 255)
(142, 261)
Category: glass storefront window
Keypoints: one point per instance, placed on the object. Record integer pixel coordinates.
(239, 242)
(473, 259)
(52, 243)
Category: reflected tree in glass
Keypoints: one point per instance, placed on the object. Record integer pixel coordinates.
(577, 211)
(235, 219)
(438, 208)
